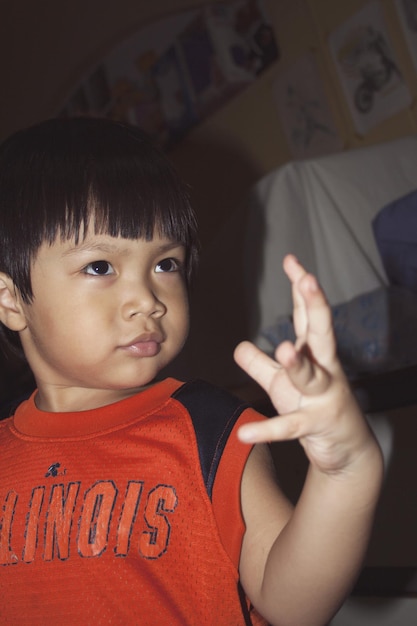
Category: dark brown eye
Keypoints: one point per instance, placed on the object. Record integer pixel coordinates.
(99, 268)
(167, 265)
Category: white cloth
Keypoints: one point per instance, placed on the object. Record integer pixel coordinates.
(321, 210)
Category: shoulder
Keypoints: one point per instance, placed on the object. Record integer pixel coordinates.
(215, 415)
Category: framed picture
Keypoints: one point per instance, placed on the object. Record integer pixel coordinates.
(305, 115)
(368, 70)
(172, 74)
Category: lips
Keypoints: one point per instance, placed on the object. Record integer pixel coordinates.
(146, 345)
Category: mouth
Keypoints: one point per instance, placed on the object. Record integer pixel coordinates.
(146, 345)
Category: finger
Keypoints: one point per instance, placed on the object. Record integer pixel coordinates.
(256, 363)
(275, 429)
(306, 375)
(293, 268)
(320, 336)
(270, 375)
(312, 314)
(295, 272)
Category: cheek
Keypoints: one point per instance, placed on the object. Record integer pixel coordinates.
(43, 329)
(180, 314)
(185, 323)
(49, 322)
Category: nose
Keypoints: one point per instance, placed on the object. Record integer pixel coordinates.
(141, 300)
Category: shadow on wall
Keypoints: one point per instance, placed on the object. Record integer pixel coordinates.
(16, 380)
(220, 179)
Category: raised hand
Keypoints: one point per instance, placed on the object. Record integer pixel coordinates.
(307, 384)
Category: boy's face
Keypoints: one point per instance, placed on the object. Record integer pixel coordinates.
(107, 315)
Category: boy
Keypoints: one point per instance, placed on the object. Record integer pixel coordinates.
(130, 501)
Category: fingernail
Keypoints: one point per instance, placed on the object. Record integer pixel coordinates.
(247, 434)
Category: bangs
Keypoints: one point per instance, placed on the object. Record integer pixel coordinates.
(125, 188)
(63, 176)
(126, 201)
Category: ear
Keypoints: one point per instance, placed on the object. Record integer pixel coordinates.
(11, 310)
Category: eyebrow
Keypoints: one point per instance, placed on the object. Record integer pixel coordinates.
(110, 248)
(92, 247)
(171, 246)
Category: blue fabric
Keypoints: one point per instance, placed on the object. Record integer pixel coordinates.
(375, 332)
(395, 232)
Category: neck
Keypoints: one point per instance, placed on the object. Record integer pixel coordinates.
(55, 399)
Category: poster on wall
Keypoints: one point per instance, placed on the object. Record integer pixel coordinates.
(407, 11)
(368, 69)
(172, 74)
(305, 115)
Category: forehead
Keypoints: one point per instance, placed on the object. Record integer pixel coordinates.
(103, 244)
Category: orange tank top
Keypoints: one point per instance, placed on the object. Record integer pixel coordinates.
(128, 514)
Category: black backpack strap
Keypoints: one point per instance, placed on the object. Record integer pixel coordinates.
(214, 413)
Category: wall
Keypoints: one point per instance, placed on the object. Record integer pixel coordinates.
(47, 47)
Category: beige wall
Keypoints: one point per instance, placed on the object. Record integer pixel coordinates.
(48, 46)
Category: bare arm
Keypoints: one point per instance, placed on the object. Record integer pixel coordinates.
(298, 565)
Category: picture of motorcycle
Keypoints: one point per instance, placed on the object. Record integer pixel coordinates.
(375, 71)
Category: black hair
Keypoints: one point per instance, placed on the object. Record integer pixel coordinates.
(62, 175)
